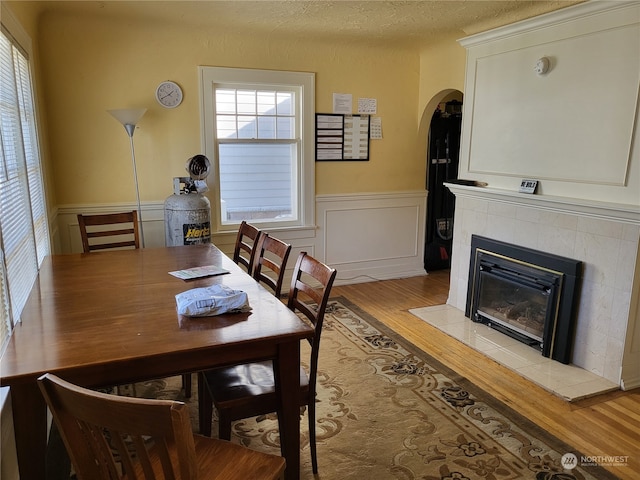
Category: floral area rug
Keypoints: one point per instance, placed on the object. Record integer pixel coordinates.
(388, 410)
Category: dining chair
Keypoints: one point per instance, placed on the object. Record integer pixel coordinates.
(271, 255)
(122, 230)
(110, 437)
(111, 230)
(246, 241)
(243, 254)
(248, 390)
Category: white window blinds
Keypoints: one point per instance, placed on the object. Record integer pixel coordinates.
(4, 305)
(24, 233)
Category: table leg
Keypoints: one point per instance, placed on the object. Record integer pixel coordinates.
(287, 373)
(30, 424)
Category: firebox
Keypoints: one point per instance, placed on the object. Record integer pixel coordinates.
(527, 294)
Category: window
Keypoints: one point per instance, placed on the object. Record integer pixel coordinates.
(24, 232)
(258, 134)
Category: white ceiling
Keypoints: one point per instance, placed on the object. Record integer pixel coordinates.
(408, 23)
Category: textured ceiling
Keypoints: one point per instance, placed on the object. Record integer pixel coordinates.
(409, 23)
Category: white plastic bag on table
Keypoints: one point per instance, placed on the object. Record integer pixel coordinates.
(213, 300)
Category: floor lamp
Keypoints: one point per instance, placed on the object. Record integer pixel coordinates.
(129, 118)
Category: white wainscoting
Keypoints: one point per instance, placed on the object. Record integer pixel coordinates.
(366, 237)
(374, 236)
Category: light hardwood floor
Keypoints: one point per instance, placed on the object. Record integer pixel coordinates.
(604, 425)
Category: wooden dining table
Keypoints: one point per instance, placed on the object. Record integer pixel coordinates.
(110, 318)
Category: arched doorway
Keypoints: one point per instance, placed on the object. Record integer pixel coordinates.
(443, 149)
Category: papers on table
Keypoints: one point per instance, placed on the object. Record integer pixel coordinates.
(199, 272)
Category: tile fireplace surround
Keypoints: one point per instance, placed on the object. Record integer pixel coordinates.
(603, 236)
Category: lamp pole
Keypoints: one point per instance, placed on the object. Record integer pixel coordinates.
(129, 118)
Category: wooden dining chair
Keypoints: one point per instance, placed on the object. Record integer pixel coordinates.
(243, 254)
(270, 262)
(115, 230)
(248, 390)
(246, 241)
(112, 230)
(110, 437)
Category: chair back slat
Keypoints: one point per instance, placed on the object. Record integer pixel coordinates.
(271, 255)
(108, 231)
(246, 241)
(313, 279)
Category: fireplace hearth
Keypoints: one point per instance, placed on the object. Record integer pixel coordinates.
(524, 293)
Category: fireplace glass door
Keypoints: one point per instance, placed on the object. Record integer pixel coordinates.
(517, 298)
(515, 305)
(528, 294)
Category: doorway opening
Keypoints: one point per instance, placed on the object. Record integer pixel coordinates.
(442, 165)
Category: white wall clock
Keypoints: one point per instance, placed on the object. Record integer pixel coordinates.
(169, 94)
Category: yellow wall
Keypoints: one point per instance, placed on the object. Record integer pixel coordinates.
(442, 70)
(91, 64)
(442, 67)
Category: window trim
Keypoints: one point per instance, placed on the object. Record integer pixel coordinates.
(14, 29)
(209, 77)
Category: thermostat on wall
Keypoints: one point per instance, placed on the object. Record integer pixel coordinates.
(528, 186)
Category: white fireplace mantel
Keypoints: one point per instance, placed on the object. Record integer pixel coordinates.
(604, 236)
(609, 211)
